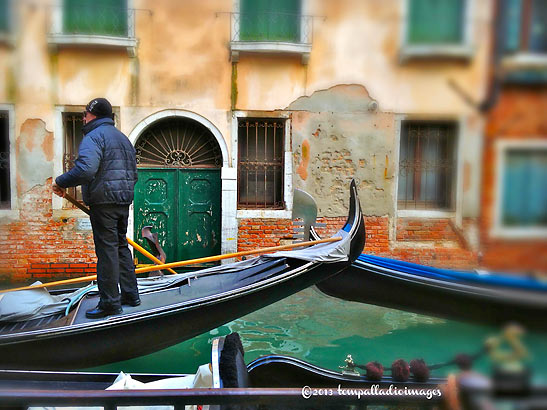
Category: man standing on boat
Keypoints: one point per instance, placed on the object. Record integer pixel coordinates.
(106, 168)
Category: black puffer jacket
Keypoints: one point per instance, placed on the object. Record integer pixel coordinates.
(106, 166)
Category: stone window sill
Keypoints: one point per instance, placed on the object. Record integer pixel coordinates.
(237, 47)
(56, 41)
(444, 52)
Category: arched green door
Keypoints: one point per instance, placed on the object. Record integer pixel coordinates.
(179, 189)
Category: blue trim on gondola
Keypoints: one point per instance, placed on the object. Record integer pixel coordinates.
(452, 275)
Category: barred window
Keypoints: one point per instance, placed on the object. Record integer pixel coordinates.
(260, 163)
(5, 187)
(72, 124)
(427, 165)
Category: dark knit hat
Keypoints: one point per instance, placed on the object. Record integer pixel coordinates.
(100, 107)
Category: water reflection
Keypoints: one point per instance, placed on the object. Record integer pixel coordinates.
(323, 330)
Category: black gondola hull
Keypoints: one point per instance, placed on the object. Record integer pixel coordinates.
(128, 339)
(489, 305)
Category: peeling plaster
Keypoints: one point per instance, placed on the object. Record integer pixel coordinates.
(340, 98)
(348, 141)
(302, 169)
(34, 149)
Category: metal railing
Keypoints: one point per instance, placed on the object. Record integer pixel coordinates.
(271, 27)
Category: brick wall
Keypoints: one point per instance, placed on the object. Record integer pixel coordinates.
(38, 246)
(519, 114)
(431, 242)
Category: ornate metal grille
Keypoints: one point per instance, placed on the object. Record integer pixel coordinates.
(178, 143)
(73, 124)
(5, 187)
(426, 165)
(260, 163)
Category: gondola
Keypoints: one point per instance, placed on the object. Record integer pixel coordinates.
(270, 381)
(488, 298)
(175, 307)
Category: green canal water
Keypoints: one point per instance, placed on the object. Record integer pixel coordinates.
(323, 330)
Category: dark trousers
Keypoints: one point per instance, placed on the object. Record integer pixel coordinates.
(114, 259)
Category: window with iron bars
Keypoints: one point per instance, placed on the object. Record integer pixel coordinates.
(72, 124)
(427, 165)
(5, 187)
(260, 163)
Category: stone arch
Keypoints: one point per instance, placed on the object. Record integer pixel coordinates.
(174, 113)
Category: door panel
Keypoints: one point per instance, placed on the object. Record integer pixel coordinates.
(155, 205)
(199, 199)
(183, 207)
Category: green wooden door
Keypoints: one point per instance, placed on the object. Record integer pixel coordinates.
(183, 207)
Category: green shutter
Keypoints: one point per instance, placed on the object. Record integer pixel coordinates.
(538, 27)
(4, 16)
(270, 20)
(524, 188)
(436, 22)
(99, 17)
(511, 17)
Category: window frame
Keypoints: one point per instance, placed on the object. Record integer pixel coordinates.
(13, 211)
(302, 48)
(57, 38)
(464, 50)
(287, 165)
(499, 230)
(456, 212)
(522, 58)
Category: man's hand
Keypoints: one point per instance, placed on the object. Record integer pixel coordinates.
(57, 190)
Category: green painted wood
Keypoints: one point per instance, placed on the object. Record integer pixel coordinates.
(270, 20)
(155, 204)
(4, 16)
(99, 17)
(436, 21)
(199, 212)
(183, 207)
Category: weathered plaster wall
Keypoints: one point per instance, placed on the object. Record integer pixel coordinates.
(34, 150)
(336, 138)
(374, 30)
(183, 54)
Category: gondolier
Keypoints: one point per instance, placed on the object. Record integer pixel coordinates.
(106, 168)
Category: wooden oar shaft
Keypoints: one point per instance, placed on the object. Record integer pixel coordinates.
(235, 255)
(182, 263)
(131, 242)
(51, 284)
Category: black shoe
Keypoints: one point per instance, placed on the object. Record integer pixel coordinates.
(131, 302)
(99, 312)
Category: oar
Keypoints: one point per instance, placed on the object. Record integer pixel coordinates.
(132, 243)
(234, 255)
(181, 263)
